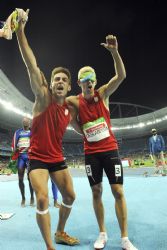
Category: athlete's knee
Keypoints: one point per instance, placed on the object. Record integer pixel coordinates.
(118, 192)
(21, 181)
(97, 191)
(69, 198)
(42, 200)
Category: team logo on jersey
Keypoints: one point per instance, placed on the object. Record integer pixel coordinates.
(96, 99)
(66, 112)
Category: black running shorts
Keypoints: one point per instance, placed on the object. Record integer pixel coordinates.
(108, 161)
(51, 167)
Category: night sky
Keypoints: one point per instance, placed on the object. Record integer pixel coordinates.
(69, 33)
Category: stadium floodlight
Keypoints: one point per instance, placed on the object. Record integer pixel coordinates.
(9, 106)
(158, 120)
(141, 124)
(149, 123)
(136, 125)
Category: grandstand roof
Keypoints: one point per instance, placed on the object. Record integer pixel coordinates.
(129, 127)
(8, 92)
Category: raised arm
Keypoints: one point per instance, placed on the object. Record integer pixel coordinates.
(37, 81)
(112, 46)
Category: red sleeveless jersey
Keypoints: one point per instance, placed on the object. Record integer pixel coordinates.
(47, 133)
(94, 118)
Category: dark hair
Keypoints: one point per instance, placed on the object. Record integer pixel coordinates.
(153, 130)
(61, 70)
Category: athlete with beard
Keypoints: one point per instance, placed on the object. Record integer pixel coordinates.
(50, 119)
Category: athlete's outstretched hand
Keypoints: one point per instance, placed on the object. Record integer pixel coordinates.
(111, 43)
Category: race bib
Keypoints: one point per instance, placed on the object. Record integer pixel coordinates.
(96, 130)
(118, 170)
(24, 142)
(88, 170)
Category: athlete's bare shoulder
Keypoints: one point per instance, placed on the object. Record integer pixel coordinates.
(72, 100)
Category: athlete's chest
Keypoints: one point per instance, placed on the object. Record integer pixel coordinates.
(90, 110)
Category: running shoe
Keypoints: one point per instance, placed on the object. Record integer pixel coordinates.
(101, 241)
(127, 245)
(65, 239)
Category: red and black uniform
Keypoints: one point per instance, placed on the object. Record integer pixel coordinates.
(47, 133)
(100, 145)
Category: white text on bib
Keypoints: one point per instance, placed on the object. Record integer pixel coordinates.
(96, 130)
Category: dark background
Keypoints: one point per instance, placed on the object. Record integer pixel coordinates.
(69, 33)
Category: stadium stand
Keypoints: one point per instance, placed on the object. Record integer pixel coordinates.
(132, 132)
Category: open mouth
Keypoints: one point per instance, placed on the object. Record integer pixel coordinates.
(90, 87)
(60, 88)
